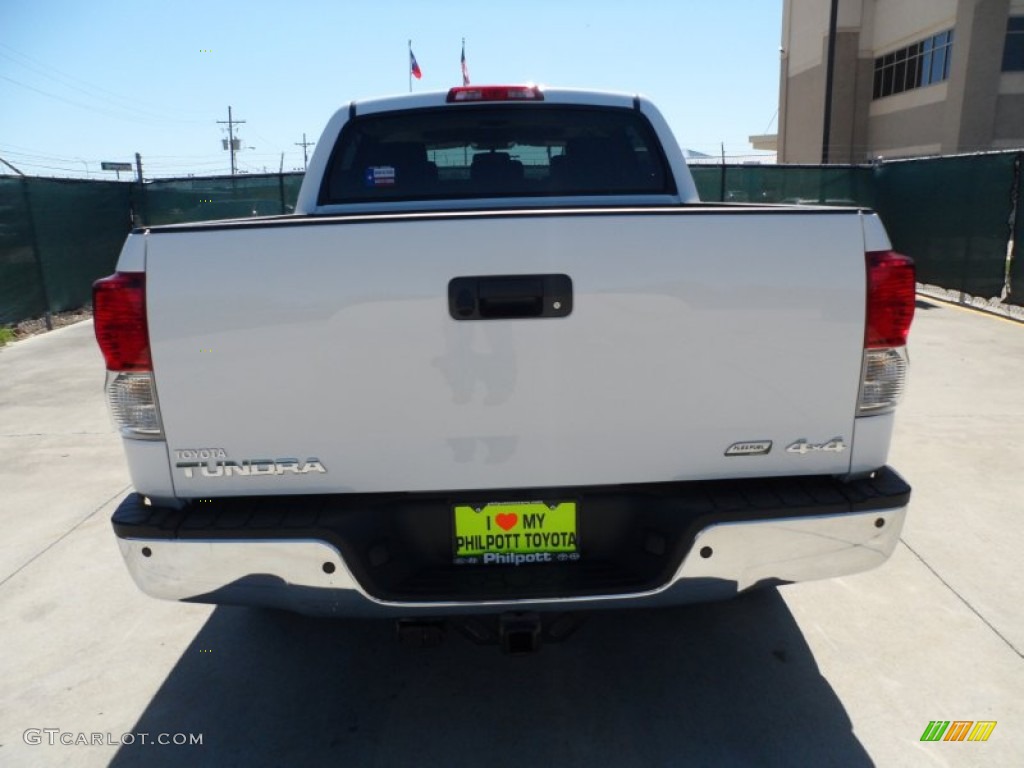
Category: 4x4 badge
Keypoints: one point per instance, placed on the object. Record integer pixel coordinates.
(835, 445)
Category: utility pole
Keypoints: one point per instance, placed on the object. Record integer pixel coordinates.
(232, 143)
(138, 166)
(304, 144)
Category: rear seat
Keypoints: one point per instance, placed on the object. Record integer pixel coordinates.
(489, 168)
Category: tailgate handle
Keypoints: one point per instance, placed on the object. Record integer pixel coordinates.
(504, 297)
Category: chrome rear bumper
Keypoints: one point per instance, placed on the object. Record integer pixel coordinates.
(311, 576)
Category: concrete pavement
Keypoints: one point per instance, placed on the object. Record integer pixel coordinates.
(844, 672)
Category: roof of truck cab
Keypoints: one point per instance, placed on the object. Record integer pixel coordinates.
(439, 99)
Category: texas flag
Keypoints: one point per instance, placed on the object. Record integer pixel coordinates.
(413, 66)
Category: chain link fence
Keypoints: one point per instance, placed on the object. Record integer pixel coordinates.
(958, 217)
(58, 236)
(798, 184)
(954, 216)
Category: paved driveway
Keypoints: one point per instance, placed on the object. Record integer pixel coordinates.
(845, 672)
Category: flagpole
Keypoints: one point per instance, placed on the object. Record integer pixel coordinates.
(408, 65)
(465, 71)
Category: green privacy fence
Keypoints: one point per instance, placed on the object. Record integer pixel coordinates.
(802, 184)
(954, 215)
(58, 236)
(1017, 266)
(173, 201)
(21, 285)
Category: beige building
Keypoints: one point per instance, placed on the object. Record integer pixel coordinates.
(910, 77)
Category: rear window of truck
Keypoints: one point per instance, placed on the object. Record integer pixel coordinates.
(490, 151)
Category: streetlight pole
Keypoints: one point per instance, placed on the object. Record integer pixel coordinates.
(826, 137)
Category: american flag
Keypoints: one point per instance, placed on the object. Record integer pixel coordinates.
(465, 69)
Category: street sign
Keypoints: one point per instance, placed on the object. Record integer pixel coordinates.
(116, 166)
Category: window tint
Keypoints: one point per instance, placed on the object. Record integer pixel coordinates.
(495, 151)
(920, 64)
(899, 77)
(938, 64)
(1013, 50)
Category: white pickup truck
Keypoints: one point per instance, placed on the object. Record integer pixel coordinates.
(501, 359)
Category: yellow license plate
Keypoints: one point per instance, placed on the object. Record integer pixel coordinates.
(516, 533)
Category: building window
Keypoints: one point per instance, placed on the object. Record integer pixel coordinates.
(1013, 51)
(921, 64)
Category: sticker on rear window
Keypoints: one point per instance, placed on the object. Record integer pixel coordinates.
(379, 176)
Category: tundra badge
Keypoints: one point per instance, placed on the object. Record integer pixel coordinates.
(251, 467)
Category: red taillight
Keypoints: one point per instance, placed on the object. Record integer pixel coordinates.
(891, 289)
(119, 313)
(496, 93)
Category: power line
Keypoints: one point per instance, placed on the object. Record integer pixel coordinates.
(50, 167)
(148, 121)
(265, 140)
(62, 162)
(83, 86)
(207, 155)
(33, 156)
